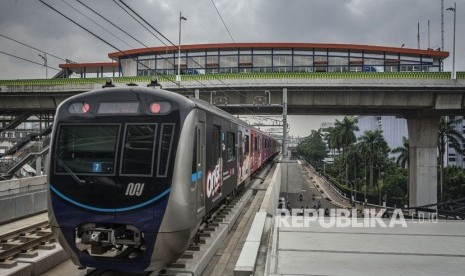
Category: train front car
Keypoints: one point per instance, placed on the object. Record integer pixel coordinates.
(114, 175)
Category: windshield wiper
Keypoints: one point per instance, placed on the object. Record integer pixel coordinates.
(68, 170)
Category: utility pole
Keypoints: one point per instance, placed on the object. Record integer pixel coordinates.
(454, 9)
(429, 37)
(178, 76)
(442, 25)
(418, 35)
(44, 57)
(442, 33)
(284, 122)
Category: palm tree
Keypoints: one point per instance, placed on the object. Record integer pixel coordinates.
(354, 157)
(374, 145)
(402, 159)
(332, 139)
(345, 130)
(345, 135)
(448, 134)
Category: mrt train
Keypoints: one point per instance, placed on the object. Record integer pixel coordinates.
(134, 171)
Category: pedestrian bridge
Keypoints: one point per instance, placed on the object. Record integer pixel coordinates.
(394, 93)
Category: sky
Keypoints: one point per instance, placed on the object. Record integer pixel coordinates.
(369, 22)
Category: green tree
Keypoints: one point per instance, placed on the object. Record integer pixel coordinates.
(313, 147)
(395, 185)
(344, 135)
(332, 139)
(403, 151)
(447, 134)
(375, 147)
(454, 183)
(354, 159)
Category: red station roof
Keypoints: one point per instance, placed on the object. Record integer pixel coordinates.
(278, 46)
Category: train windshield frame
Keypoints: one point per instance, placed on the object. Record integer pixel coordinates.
(87, 149)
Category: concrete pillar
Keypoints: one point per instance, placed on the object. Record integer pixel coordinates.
(197, 94)
(38, 166)
(423, 140)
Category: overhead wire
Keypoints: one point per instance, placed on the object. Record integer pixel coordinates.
(145, 21)
(96, 23)
(103, 40)
(140, 23)
(111, 23)
(151, 26)
(28, 60)
(98, 37)
(32, 47)
(224, 23)
(134, 59)
(168, 60)
(107, 20)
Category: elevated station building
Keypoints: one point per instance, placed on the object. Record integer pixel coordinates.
(262, 57)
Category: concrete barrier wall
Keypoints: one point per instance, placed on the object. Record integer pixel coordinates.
(270, 201)
(22, 205)
(21, 185)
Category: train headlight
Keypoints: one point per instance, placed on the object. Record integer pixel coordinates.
(155, 108)
(79, 108)
(160, 107)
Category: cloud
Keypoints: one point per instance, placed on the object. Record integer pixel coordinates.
(380, 22)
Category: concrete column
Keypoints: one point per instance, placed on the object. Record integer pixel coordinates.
(38, 166)
(197, 94)
(423, 139)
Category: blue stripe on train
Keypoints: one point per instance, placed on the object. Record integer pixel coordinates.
(109, 210)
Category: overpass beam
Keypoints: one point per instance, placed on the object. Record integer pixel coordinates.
(423, 140)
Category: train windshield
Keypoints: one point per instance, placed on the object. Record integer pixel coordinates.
(85, 149)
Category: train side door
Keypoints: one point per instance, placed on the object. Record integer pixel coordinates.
(201, 165)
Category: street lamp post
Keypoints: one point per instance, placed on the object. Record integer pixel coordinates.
(44, 57)
(211, 96)
(178, 76)
(454, 9)
(269, 96)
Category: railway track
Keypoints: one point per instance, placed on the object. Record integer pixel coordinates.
(22, 242)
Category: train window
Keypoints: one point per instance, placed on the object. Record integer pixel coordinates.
(247, 145)
(86, 149)
(194, 154)
(216, 144)
(166, 142)
(256, 144)
(230, 146)
(138, 149)
(239, 144)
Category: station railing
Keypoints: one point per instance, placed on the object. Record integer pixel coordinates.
(232, 76)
